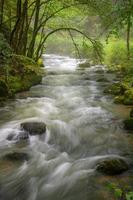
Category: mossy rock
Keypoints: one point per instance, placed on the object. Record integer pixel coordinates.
(128, 97)
(34, 128)
(84, 65)
(113, 89)
(119, 99)
(4, 91)
(114, 166)
(117, 89)
(128, 124)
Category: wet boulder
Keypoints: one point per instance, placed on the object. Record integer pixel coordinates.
(16, 156)
(114, 166)
(34, 128)
(11, 136)
(128, 124)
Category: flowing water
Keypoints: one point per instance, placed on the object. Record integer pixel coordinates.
(84, 126)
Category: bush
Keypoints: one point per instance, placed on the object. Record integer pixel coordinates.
(116, 55)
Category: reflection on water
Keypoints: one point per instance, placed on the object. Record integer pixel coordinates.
(83, 126)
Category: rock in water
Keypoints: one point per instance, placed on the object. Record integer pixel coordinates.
(16, 156)
(112, 167)
(128, 124)
(34, 128)
(11, 136)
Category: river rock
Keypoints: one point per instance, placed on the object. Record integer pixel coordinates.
(11, 136)
(84, 65)
(114, 166)
(103, 79)
(21, 136)
(16, 156)
(128, 124)
(34, 128)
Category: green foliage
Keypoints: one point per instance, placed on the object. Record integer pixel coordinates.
(92, 52)
(120, 192)
(115, 54)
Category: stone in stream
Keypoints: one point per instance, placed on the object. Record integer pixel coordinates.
(114, 166)
(128, 123)
(16, 156)
(103, 79)
(21, 136)
(34, 128)
(84, 65)
(11, 136)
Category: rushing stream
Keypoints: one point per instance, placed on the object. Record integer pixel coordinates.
(83, 126)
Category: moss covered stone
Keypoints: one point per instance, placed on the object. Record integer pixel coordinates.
(114, 166)
(117, 88)
(128, 97)
(119, 99)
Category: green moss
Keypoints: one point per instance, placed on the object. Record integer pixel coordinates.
(113, 89)
(17, 84)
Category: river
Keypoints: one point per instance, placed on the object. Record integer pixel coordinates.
(83, 126)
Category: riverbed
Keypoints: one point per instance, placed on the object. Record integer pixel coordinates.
(83, 126)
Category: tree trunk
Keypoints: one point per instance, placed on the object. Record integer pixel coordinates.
(1, 12)
(32, 43)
